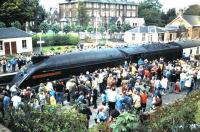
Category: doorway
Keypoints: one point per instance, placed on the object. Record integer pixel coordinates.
(14, 47)
(7, 48)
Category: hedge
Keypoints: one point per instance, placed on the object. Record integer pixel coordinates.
(56, 40)
(177, 116)
(51, 119)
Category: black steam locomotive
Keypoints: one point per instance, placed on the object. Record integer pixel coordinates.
(63, 66)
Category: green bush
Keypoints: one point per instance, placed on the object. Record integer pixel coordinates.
(56, 40)
(59, 48)
(52, 119)
(72, 39)
(52, 49)
(181, 113)
(125, 122)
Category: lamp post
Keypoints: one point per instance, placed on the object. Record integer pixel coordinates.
(40, 42)
(96, 22)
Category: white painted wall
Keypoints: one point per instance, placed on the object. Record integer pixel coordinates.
(138, 38)
(18, 44)
(194, 51)
(138, 21)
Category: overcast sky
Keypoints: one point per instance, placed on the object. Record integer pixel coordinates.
(166, 3)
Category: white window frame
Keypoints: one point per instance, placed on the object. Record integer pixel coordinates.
(24, 46)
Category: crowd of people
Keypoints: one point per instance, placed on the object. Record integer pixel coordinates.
(14, 64)
(112, 91)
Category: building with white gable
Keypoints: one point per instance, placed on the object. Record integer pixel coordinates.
(144, 34)
(14, 41)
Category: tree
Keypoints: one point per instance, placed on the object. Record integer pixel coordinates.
(39, 17)
(2, 25)
(16, 24)
(90, 29)
(22, 11)
(169, 16)
(78, 28)
(83, 17)
(113, 28)
(126, 27)
(44, 27)
(55, 28)
(193, 10)
(67, 28)
(101, 29)
(150, 11)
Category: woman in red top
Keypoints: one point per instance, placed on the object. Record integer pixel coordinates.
(143, 97)
(177, 87)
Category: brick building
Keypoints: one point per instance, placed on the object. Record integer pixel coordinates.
(101, 11)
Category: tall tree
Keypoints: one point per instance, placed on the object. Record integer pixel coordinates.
(55, 28)
(67, 28)
(83, 17)
(16, 24)
(21, 10)
(150, 11)
(101, 29)
(44, 27)
(193, 10)
(126, 27)
(169, 16)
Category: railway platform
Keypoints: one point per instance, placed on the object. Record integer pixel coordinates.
(6, 78)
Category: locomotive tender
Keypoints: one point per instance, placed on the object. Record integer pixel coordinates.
(63, 66)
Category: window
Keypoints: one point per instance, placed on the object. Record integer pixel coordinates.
(24, 45)
(95, 5)
(133, 8)
(112, 6)
(128, 14)
(128, 7)
(107, 6)
(89, 13)
(112, 13)
(143, 37)
(135, 24)
(1, 45)
(133, 36)
(102, 5)
(88, 5)
(133, 14)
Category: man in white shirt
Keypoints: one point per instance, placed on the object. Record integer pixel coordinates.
(164, 82)
(16, 99)
(188, 84)
(112, 97)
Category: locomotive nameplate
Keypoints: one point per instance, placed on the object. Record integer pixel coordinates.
(46, 75)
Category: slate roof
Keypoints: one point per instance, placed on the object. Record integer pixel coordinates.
(12, 32)
(147, 29)
(192, 20)
(125, 2)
